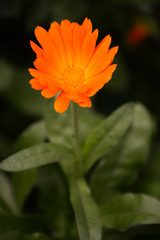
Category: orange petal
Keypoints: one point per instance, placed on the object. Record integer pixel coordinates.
(86, 102)
(95, 83)
(35, 84)
(104, 44)
(45, 79)
(100, 52)
(45, 67)
(67, 36)
(61, 103)
(56, 37)
(78, 39)
(80, 98)
(42, 36)
(50, 52)
(48, 93)
(87, 24)
(36, 49)
(100, 62)
(88, 48)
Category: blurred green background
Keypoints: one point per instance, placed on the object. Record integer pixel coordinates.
(134, 26)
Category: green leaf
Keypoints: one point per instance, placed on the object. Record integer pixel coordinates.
(36, 156)
(23, 183)
(6, 193)
(129, 210)
(58, 126)
(54, 202)
(150, 180)
(86, 211)
(60, 129)
(119, 169)
(87, 120)
(102, 138)
(26, 224)
(36, 133)
(20, 236)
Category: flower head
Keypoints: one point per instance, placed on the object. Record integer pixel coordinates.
(69, 63)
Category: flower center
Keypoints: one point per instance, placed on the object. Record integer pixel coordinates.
(73, 77)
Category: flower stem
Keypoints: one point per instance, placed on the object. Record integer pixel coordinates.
(76, 137)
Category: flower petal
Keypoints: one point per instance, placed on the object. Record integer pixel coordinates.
(95, 83)
(56, 37)
(85, 102)
(50, 53)
(101, 50)
(87, 24)
(48, 93)
(88, 48)
(45, 67)
(101, 62)
(35, 84)
(81, 99)
(36, 49)
(61, 103)
(67, 36)
(45, 79)
(78, 39)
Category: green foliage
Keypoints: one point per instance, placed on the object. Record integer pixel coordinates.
(86, 211)
(119, 145)
(7, 196)
(19, 236)
(151, 177)
(18, 93)
(61, 123)
(24, 224)
(53, 188)
(106, 135)
(119, 168)
(36, 133)
(129, 210)
(36, 156)
(23, 183)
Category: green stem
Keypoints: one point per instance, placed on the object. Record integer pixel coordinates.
(76, 137)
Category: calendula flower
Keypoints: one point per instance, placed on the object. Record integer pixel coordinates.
(69, 63)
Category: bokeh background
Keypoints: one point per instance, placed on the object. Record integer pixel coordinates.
(134, 26)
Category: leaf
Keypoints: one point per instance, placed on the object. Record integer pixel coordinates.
(129, 210)
(58, 126)
(120, 167)
(20, 236)
(26, 224)
(87, 120)
(23, 183)
(36, 133)
(54, 202)
(86, 211)
(36, 156)
(150, 180)
(6, 193)
(102, 138)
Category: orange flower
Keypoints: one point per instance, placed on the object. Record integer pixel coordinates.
(69, 63)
